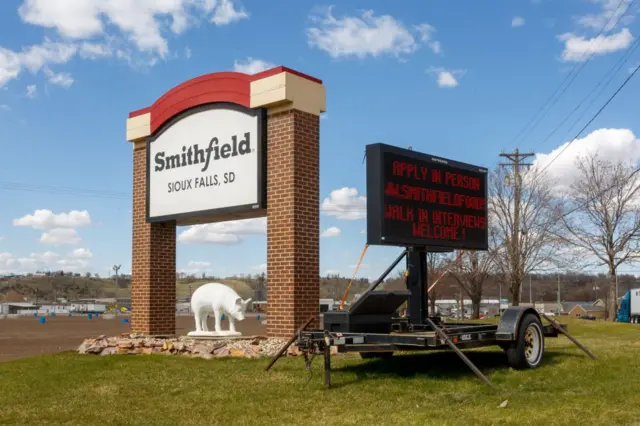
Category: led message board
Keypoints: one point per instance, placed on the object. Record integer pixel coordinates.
(416, 199)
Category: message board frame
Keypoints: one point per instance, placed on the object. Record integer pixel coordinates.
(232, 212)
(377, 234)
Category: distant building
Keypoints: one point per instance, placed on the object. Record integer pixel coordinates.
(580, 309)
(14, 308)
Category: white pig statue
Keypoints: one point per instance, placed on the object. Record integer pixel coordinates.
(219, 299)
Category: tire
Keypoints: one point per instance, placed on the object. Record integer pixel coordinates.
(526, 352)
(369, 355)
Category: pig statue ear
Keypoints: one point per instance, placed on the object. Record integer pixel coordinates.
(239, 301)
(246, 302)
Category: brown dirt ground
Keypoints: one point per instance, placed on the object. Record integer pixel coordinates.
(25, 336)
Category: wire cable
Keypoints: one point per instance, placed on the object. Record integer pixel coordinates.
(611, 73)
(591, 120)
(580, 63)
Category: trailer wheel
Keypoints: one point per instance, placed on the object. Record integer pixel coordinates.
(526, 351)
(383, 355)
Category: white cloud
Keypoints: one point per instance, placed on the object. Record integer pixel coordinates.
(251, 66)
(97, 29)
(5, 107)
(10, 66)
(517, 21)
(426, 36)
(226, 13)
(62, 79)
(230, 232)
(88, 50)
(610, 144)
(187, 52)
(60, 236)
(344, 203)
(44, 261)
(447, 78)
(261, 267)
(37, 56)
(32, 91)
(611, 11)
(194, 267)
(46, 219)
(332, 231)
(81, 253)
(578, 48)
(368, 35)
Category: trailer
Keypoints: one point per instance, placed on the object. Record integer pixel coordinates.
(424, 204)
(373, 328)
(629, 310)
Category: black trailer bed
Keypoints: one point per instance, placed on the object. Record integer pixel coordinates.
(463, 335)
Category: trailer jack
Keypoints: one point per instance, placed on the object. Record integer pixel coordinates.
(458, 352)
(570, 337)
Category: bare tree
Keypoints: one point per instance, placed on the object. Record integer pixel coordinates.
(537, 245)
(471, 272)
(603, 218)
(437, 263)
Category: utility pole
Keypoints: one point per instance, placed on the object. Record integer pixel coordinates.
(116, 268)
(559, 307)
(530, 298)
(516, 161)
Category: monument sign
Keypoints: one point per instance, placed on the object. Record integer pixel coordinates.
(229, 146)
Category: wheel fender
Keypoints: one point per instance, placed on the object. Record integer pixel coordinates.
(510, 321)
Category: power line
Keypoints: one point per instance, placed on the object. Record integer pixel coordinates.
(16, 186)
(616, 67)
(580, 63)
(592, 119)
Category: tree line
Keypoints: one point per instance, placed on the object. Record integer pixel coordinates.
(537, 226)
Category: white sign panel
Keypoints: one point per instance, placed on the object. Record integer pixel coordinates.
(207, 161)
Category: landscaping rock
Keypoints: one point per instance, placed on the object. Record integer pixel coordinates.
(132, 344)
(222, 352)
(108, 351)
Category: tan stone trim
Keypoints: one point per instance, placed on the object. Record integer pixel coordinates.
(138, 127)
(285, 91)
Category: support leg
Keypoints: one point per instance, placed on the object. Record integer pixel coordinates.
(196, 317)
(563, 331)
(327, 360)
(216, 314)
(232, 324)
(462, 356)
(203, 320)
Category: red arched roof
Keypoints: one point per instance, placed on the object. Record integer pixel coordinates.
(215, 87)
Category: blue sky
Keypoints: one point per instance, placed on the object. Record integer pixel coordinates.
(457, 79)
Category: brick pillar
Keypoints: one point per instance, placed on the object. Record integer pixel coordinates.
(153, 285)
(293, 185)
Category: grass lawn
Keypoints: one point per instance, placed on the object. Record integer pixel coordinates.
(434, 388)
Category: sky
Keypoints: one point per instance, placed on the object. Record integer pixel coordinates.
(456, 79)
